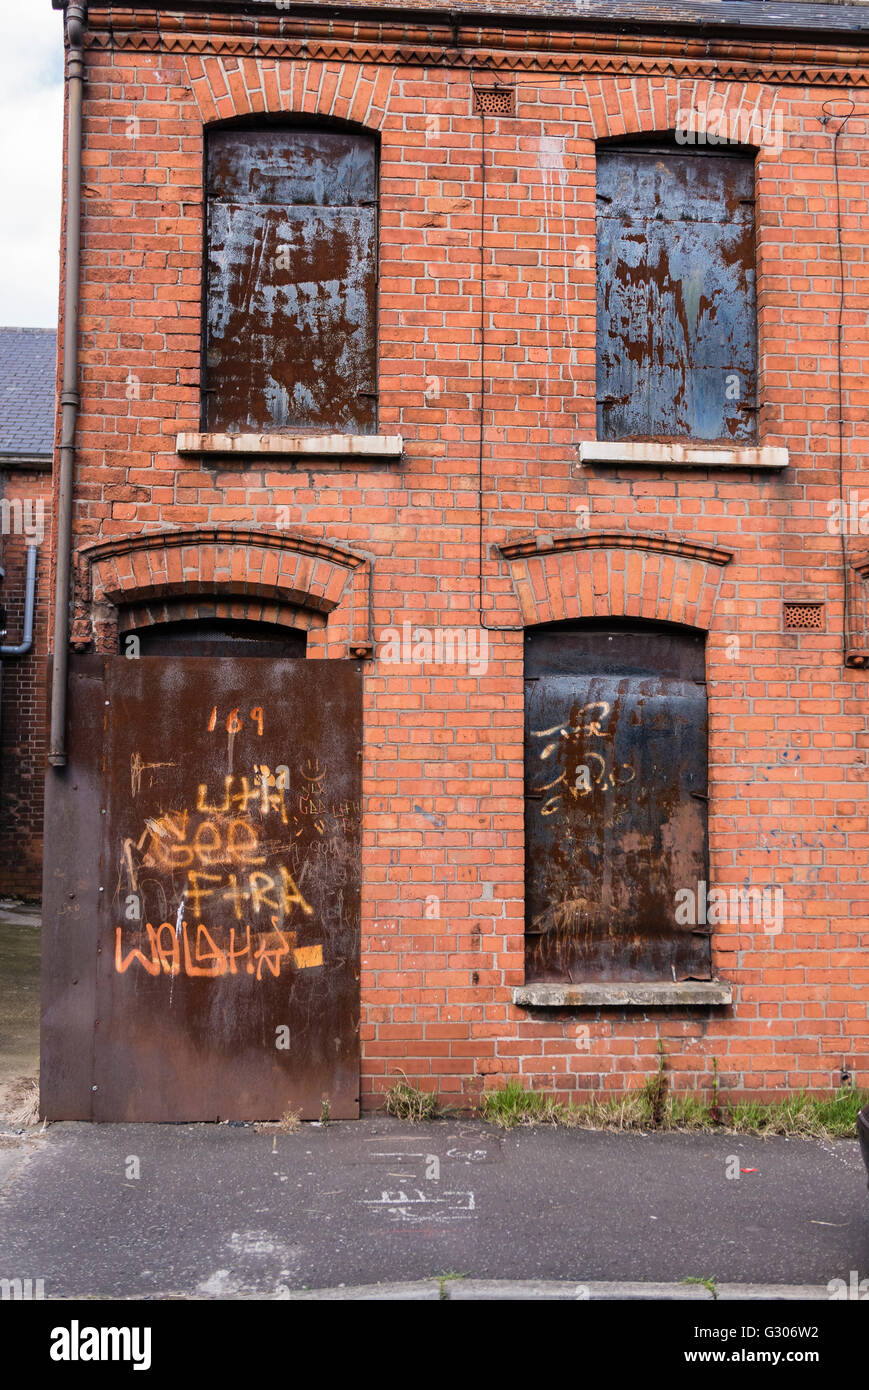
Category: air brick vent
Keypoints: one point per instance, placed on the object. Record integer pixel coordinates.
(495, 101)
(804, 615)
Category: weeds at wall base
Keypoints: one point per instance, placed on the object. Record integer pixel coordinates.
(796, 1116)
(408, 1102)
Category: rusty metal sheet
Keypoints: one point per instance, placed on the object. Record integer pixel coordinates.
(292, 164)
(71, 900)
(676, 300)
(616, 806)
(227, 946)
(291, 283)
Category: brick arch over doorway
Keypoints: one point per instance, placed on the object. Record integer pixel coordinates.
(262, 576)
(615, 574)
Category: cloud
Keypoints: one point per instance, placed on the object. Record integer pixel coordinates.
(31, 138)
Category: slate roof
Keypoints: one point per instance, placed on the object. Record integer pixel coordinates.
(28, 363)
(789, 15)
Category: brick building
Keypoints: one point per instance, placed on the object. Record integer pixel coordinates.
(480, 390)
(28, 370)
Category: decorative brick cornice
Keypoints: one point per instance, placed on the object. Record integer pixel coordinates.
(569, 575)
(279, 569)
(336, 39)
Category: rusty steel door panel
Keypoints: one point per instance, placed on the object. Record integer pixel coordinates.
(71, 900)
(616, 806)
(227, 947)
(291, 281)
(676, 301)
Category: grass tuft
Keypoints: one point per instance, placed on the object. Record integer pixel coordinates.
(516, 1106)
(443, 1279)
(708, 1283)
(407, 1102)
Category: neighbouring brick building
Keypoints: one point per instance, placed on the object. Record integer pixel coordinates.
(507, 362)
(28, 371)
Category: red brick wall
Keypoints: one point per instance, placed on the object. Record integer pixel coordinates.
(444, 749)
(23, 741)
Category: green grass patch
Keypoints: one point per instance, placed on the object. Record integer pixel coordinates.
(812, 1117)
(516, 1106)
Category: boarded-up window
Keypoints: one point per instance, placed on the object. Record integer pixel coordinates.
(676, 309)
(291, 281)
(616, 804)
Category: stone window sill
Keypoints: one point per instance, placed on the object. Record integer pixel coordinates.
(641, 994)
(672, 455)
(377, 446)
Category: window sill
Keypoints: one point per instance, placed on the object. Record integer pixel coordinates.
(642, 994)
(648, 454)
(293, 445)
(26, 463)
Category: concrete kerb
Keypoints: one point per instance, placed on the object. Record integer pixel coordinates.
(488, 1290)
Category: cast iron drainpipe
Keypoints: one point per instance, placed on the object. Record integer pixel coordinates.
(29, 604)
(76, 13)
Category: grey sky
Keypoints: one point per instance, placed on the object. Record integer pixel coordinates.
(31, 133)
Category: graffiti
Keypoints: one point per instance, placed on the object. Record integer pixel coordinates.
(171, 952)
(234, 724)
(415, 1206)
(596, 771)
(251, 792)
(222, 854)
(137, 767)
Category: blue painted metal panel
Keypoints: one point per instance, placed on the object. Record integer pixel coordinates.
(291, 282)
(676, 305)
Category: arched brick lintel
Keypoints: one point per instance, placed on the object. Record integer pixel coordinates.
(612, 574)
(239, 86)
(265, 576)
(738, 109)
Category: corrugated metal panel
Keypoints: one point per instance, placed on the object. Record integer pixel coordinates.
(291, 282)
(616, 806)
(676, 315)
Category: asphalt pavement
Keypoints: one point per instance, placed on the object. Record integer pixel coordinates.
(232, 1211)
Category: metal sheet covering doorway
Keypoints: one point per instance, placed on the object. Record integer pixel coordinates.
(201, 957)
(615, 802)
